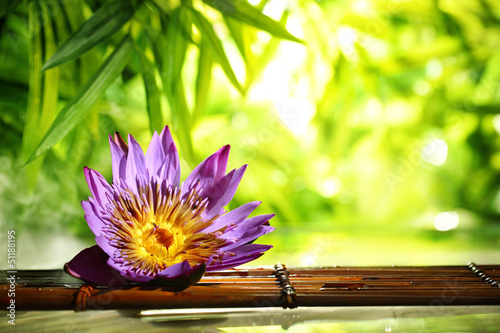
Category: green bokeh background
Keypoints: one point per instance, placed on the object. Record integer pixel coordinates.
(386, 116)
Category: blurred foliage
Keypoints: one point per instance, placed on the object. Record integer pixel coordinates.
(351, 114)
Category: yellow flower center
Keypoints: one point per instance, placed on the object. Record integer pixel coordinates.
(156, 228)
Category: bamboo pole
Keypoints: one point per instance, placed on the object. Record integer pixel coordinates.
(329, 286)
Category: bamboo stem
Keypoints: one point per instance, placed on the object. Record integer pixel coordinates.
(329, 286)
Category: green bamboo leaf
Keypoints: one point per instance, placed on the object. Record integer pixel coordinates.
(260, 6)
(163, 7)
(31, 133)
(210, 38)
(203, 80)
(7, 5)
(88, 95)
(181, 120)
(169, 51)
(51, 77)
(153, 93)
(244, 12)
(176, 44)
(45, 108)
(180, 116)
(236, 29)
(105, 22)
(258, 65)
(159, 45)
(35, 77)
(88, 62)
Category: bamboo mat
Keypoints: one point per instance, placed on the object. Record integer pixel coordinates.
(268, 287)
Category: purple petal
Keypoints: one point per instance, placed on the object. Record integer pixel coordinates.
(235, 216)
(236, 262)
(94, 222)
(103, 243)
(179, 276)
(251, 248)
(126, 273)
(222, 162)
(221, 192)
(118, 159)
(207, 172)
(248, 236)
(256, 221)
(239, 256)
(176, 270)
(90, 265)
(155, 155)
(135, 163)
(248, 224)
(98, 185)
(172, 171)
(121, 143)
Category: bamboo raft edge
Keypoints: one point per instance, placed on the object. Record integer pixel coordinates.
(263, 287)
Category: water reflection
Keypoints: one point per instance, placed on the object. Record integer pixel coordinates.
(320, 319)
(380, 247)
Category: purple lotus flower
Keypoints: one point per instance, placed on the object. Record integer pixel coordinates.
(149, 227)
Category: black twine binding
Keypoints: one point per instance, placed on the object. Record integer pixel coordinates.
(288, 293)
(481, 274)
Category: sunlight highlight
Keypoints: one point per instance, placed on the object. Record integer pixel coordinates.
(446, 221)
(373, 110)
(347, 37)
(330, 187)
(290, 97)
(274, 9)
(298, 114)
(435, 152)
(496, 123)
(434, 69)
(362, 7)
